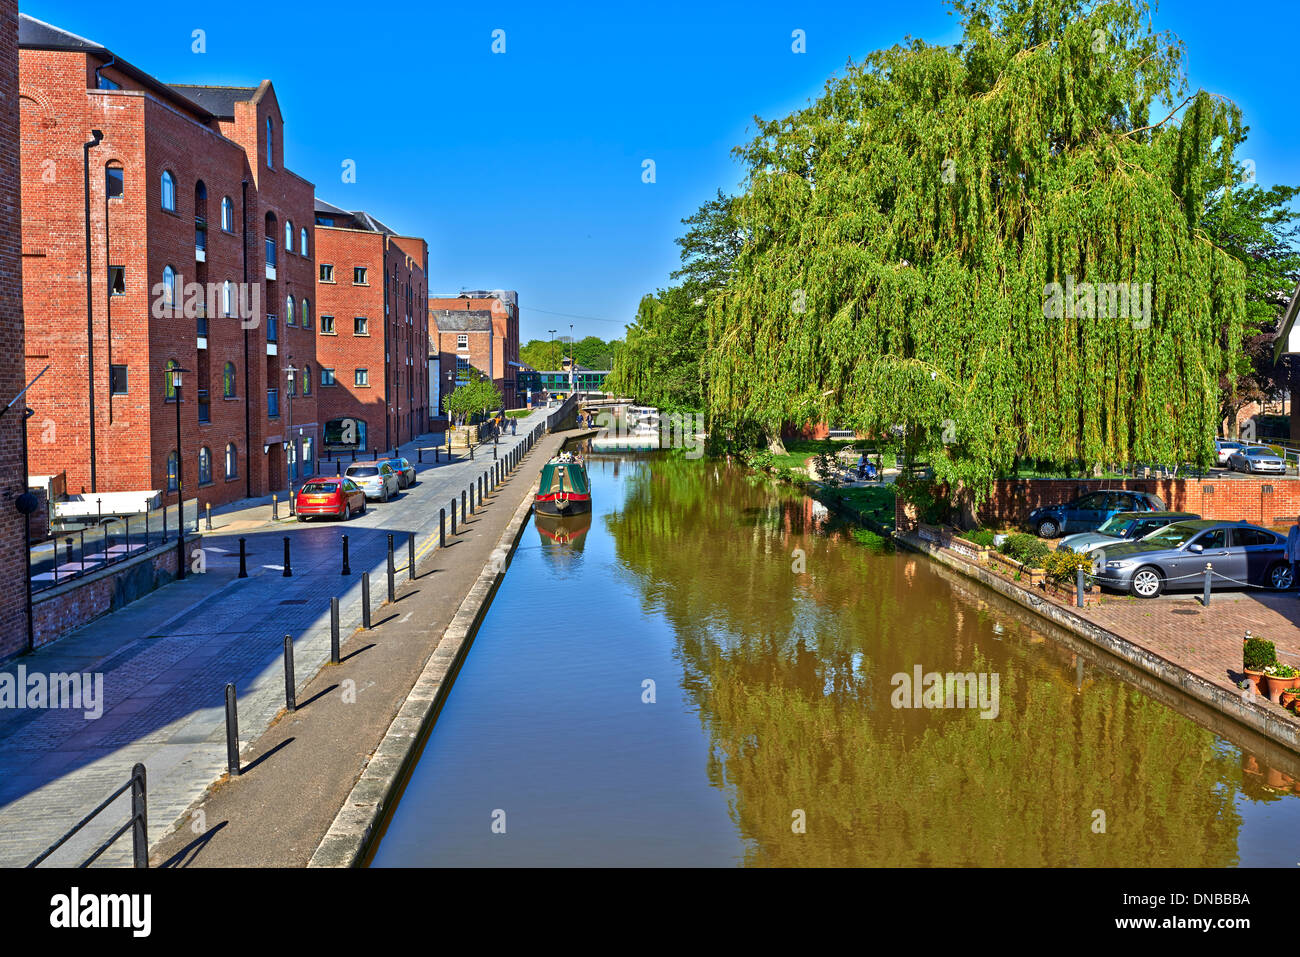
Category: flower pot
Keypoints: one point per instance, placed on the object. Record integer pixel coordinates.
(1275, 686)
(1287, 697)
(1256, 679)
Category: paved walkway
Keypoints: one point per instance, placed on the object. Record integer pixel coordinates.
(166, 659)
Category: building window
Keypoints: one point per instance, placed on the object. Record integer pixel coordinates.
(270, 144)
(361, 377)
(114, 182)
(169, 288)
(306, 314)
(462, 341)
(306, 379)
(227, 214)
(288, 235)
(117, 280)
(117, 380)
(205, 465)
(228, 381)
(462, 368)
(272, 403)
(359, 326)
(327, 377)
(102, 82)
(228, 298)
(288, 311)
(326, 272)
(205, 407)
(302, 241)
(327, 325)
(168, 192)
(359, 276)
(232, 461)
(173, 461)
(169, 390)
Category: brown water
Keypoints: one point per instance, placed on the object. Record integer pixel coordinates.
(773, 637)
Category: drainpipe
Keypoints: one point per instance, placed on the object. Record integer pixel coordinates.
(248, 396)
(97, 137)
(102, 67)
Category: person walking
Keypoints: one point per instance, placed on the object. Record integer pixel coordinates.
(514, 426)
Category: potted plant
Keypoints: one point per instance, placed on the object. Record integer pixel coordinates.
(1279, 678)
(1256, 655)
(1288, 696)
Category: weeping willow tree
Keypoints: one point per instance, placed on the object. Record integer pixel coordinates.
(943, 241)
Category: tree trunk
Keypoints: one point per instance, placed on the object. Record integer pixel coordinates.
(775, 445)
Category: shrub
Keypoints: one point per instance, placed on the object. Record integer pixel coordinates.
(979, 536)
(761, 460)
(1257, 654)
(871, 540)
(1026, 549)
(1061, 566)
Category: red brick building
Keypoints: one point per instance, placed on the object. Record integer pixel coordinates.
(13, 480)
(491, 346)
(372, 295)
(200, 246)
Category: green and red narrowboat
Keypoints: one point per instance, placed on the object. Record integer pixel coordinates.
(564, 488)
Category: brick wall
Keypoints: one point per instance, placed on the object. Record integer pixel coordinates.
(1262, 501)
(13, 481)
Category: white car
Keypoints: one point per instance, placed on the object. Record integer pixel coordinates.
(377, 480)
(1225, 447)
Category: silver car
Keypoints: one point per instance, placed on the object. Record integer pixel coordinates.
(377, 480)
(1175, 558)
(1257, 458)
(1124, 527)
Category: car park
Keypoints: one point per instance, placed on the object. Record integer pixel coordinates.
(337, 497)
(377, 479)
(404, 469)
(1122, 527)
(1175, 558)
(1257, 458)
(1225, 447)
(1087, 512)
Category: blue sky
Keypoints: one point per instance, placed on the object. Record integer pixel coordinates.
(523, 170)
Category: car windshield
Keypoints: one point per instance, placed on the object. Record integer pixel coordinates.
(317, 488)
(363, 472)
(1173, 536)
(1116, 525)
(1258, 451)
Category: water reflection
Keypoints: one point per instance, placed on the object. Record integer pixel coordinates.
(775, 636)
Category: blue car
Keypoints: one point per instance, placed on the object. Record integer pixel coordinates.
(1089, 512)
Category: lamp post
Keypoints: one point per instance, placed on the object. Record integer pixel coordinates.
(175, 374)
(572, 377)
(290, 449)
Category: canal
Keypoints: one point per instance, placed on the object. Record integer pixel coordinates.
(705, 674)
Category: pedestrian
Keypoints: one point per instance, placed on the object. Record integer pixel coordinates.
(514, 426)
(862, 466)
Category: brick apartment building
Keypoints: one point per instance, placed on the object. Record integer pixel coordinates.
(479, 329)
(372, 299)
(13, 481)
(180, 199)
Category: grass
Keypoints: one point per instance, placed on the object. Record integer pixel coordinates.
(874, 501)
(799, 451)
(518, 413)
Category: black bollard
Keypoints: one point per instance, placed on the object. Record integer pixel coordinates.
(290, 693)
(164, 538)
(288, 571)
(232, 732)
(275, 513)
(334, 631)
(347, 569)
(419, 455)
(391, 569)
(338, 468)
(453, 516)
(462, 505)
(410, 557)
(365, 600)
(243, 557)
(1078, 587)
(442, 528)
(209, 528)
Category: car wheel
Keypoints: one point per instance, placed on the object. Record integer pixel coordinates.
(1280, 576)
(1048, 529)
(1147, 582)
(347, 511)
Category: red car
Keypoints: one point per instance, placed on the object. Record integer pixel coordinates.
(339, 497)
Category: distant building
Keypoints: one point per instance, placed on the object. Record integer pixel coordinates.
(493, 350)
(372, 297)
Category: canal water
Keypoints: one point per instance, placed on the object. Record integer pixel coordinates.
(710, 672)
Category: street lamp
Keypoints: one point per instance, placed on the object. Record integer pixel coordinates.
(175, 373)
(290, 449)
(447, 434)
(572, 377)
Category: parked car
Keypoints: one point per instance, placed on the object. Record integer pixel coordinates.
(1225, 447)
(339, 497)
(404, 469)
(1123, 527)
(1257, 458)
(1174, 558)
(377, 479)
(1087, 512)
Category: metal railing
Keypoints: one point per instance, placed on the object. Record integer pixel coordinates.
(138, 824)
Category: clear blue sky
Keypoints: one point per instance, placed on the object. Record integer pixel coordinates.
(523, 169)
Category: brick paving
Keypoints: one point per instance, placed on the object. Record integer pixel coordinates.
(166, 659)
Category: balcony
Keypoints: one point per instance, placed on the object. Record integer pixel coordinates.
(272, 403)
(272, 335)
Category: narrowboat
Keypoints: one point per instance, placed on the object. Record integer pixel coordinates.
(564, 488)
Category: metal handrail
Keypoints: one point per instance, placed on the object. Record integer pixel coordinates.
(138, 823)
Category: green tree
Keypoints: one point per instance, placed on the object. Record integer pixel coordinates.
(473, 399)
(903, 235)
(542, 354)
